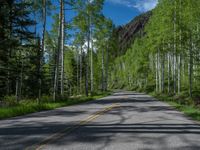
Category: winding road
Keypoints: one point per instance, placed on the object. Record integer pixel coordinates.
(122, 121)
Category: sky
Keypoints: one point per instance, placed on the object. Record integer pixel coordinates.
(123, 11)
(119, 11)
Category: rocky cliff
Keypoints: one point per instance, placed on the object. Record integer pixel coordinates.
(128, 33)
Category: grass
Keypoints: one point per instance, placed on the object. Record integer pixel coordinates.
(27, 107)
(181, 103)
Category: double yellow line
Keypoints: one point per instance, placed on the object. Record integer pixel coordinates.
(68, 130)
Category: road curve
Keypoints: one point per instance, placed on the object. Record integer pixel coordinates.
(122, 121)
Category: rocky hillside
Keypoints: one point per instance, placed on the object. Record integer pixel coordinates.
(130, 31)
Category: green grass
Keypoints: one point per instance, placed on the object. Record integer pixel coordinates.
(181, 103)
(32, 106)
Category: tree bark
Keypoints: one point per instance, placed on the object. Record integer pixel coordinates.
(21, 79)
(179, 74)
(174, 61)
(57, 59)
(17, 89)
(81, 70)
(190, 67)
(87, 66)
(44, 12)
(168, 73)
(55, 77)
(91, 65)
(106, 78)
(156, 58)
(102, 71)
(77, 73)
(62, 39)
(163, 73)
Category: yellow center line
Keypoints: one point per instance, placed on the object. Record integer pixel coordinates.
(125, 97)
(68, 130)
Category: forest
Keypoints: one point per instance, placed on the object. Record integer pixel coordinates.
(85, 56)
(36, 63)
(164, 57)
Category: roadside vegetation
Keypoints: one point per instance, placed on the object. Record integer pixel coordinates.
(158, 52)
(183, 103)
(164, 57)
(26, 106)
(65, 59)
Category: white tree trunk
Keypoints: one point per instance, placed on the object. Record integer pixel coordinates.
(179, 74)
(106, 78)
(80, 80)
(91, 65)
(44, 13)
(163, 73)
(62, 39)
(102, 71)
(174, 65)
(168, 67)
(77, 73)
(156, 63)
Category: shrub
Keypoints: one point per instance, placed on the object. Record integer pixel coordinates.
(10, 100)
(46, 98)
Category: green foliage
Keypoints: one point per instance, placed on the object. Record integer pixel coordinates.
(46, 99)
(164, 59)
(181, 103)
(10, 100)
(30, 106)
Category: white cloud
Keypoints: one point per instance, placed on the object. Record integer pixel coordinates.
(141, 5)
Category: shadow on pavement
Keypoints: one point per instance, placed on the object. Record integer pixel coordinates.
(20, 136)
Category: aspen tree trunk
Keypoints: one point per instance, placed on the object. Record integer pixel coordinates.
(180, 49)
(174, 61)
(87, 64)
(163, 73)
(102, 71)
(80, 80)
(55, 77)
(156, 58)
(159, 73)
(91, 64)
(174, 75)
(87, 54)
(179, 74)
(57, 60)
(77, 72)
(172, 66)
(106, 79)
(183, 68)
(62, 38)
(55, 87)
(168, 66)
(86, 79)
(44, 13)
(190, 66)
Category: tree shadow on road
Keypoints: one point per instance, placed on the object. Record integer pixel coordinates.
(104, 132)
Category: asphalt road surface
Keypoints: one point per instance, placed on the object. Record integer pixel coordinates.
(123, 121)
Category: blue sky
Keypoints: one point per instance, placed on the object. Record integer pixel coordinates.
(120, 11)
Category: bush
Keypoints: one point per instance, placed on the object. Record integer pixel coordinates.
(46, 98)
(150, 88)
(196, 97)
(10, 100)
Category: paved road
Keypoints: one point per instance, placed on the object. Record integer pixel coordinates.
(123, 121)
